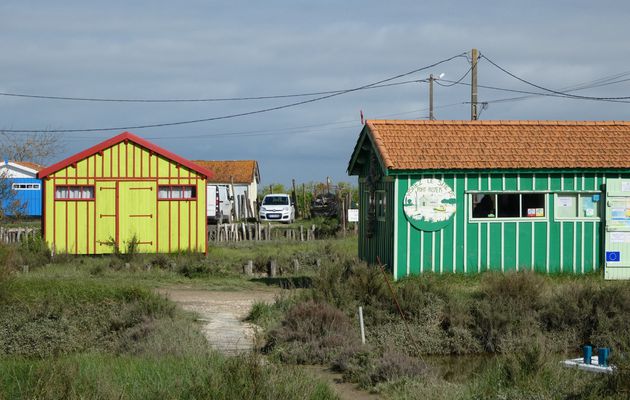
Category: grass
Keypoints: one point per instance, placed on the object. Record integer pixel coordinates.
(105, 376)
(525, 321)
(92, 327)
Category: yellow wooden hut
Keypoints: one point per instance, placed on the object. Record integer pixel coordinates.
(124, 190)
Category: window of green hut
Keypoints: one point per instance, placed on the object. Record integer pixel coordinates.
(577, 205)
(508, 205)
(381, 204)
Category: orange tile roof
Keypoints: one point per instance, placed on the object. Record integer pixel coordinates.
(30, 165)
(438, 145)
(242, 171)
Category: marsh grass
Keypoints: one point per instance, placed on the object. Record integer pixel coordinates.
(203, 376)
(65, 333)
(527, 321)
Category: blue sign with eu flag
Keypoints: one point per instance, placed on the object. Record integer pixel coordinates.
(613, 256)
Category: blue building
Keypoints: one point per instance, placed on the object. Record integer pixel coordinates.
(27, 189)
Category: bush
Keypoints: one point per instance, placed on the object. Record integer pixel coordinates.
(312, 333)
(325, 227)
(507, 304)
(368, 369)
(53, 318)
(35, 251)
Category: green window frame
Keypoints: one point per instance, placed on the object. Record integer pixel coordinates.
(507, 206)
(381, 205)
(577, 206)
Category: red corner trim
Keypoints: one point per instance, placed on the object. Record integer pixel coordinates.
(125, 136)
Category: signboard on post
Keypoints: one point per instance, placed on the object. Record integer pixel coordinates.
(353, 215)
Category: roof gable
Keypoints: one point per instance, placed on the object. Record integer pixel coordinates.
(14, 169)
(365, 153)
(475, 145)
(228, 171)
(125, 136)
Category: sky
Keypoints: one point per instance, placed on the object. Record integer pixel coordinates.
(167, 50)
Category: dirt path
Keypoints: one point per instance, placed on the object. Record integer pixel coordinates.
(345, 390)
(222, 314)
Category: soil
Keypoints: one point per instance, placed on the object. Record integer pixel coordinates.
(222, 314)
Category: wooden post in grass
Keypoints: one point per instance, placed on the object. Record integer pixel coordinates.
(273, 269)
(294, 200)
(304, 211)
(361, 323)
(296, 265)
(343, 215)
(248, 269)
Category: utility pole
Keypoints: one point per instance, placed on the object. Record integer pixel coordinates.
(473, 85)
(431, 79)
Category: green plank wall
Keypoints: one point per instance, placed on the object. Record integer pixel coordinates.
(465, 246)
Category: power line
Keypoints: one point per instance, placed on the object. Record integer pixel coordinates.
(229, 116)
(554, 91)
(533, 94)
(453, 83)
(217, 99)
(282, 131)
(573, 89)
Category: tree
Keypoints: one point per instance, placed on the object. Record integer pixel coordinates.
(273, 188)
(38, 148)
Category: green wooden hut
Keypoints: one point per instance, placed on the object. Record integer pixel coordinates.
(471, 196)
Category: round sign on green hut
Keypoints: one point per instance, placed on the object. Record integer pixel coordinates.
(429, 204)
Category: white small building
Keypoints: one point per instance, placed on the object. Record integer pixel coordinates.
(242, 177)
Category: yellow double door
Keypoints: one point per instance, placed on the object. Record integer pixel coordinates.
(126, 216)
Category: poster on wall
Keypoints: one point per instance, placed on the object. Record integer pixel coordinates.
(429, 204)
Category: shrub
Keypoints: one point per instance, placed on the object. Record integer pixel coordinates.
(53, 318)
(312, 333)
(35, 251)
(368, 369)
(507, 304)
(325, 227)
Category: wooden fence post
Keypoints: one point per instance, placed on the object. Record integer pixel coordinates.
(248, 269)
(296, 265)
(273, 269)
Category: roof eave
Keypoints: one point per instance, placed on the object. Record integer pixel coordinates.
(21, 167)
(378, 150)
(115, 140)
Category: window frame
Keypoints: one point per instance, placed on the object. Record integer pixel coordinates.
(470, 193)
(380, 212)
(36, 186)
(579, 194)
(193, 198)
(76, 199)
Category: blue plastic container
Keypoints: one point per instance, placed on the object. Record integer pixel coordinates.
(602, 356)
(588, 353)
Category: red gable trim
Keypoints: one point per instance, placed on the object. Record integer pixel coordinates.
(115, 140)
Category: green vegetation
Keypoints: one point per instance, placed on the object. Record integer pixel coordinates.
(91, 327)
(520, 325)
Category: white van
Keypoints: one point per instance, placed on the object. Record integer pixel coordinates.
(219, 203)
(277, 207)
